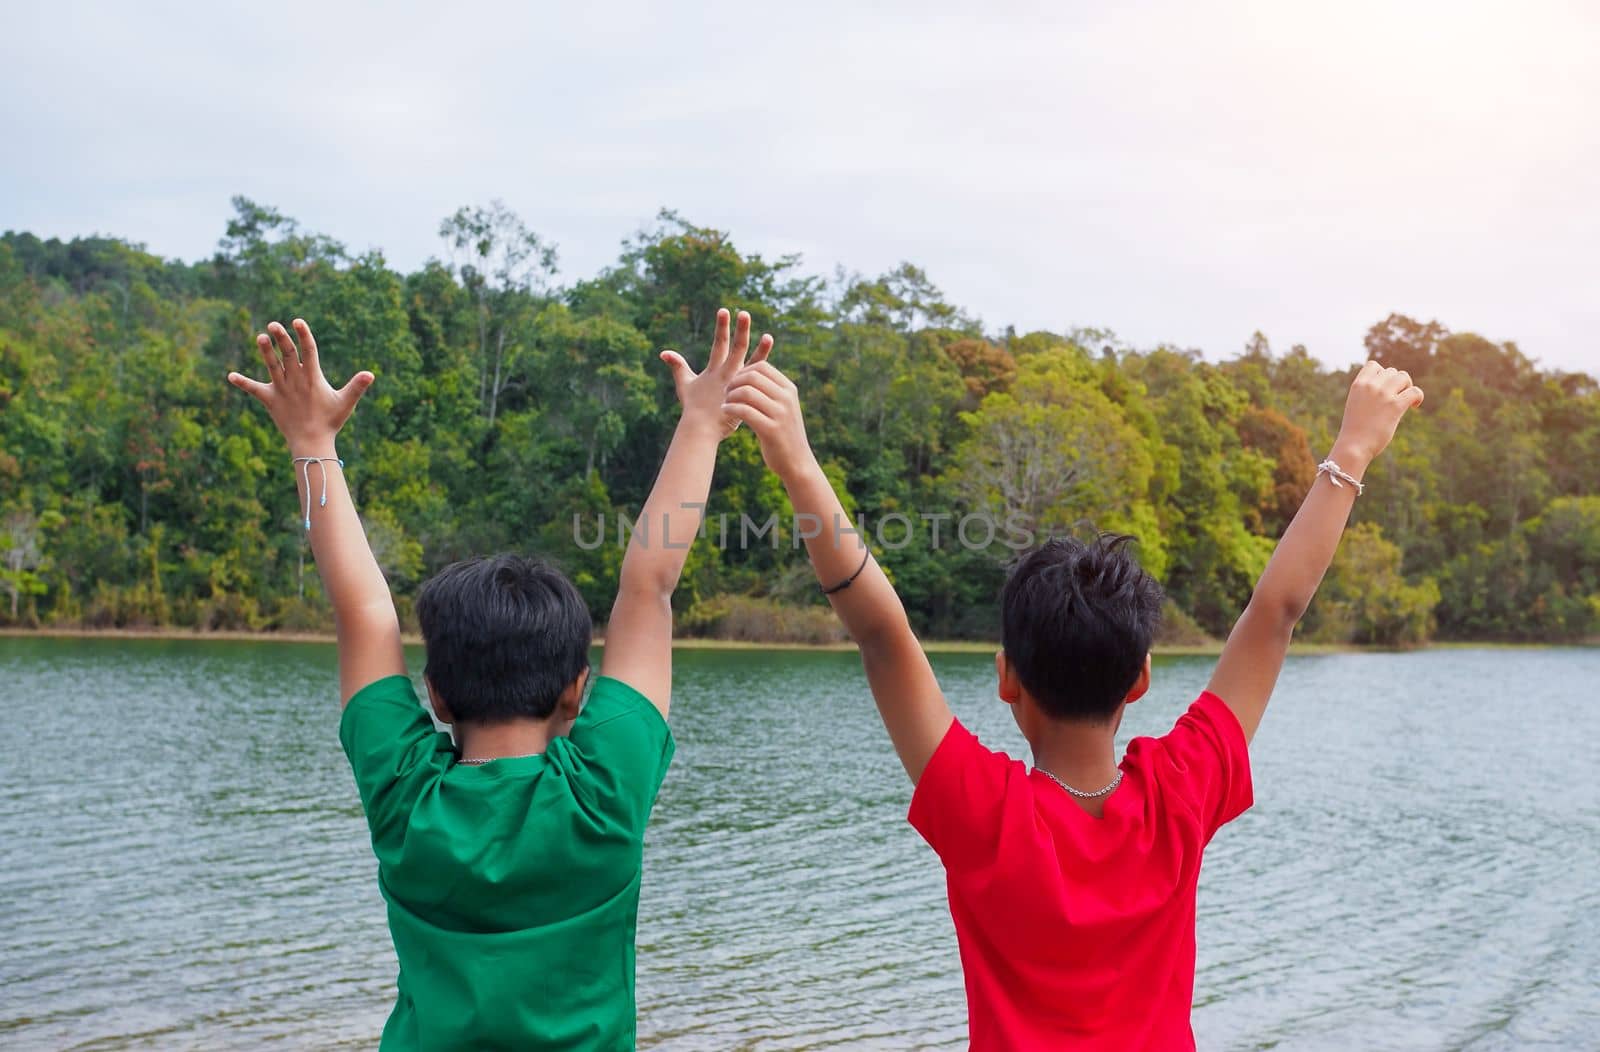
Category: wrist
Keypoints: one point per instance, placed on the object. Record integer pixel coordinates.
(805, 470)
(1350, 456)
(323, 446)
(702, 425)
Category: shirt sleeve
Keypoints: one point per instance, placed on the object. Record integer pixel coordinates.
(620, 749)
(394, 751)
(1208, 762)
(959, 801)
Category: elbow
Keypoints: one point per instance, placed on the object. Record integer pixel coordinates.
(652, 587)
(366, 621)
(1280, 611)
(644, 580)
(878, 632)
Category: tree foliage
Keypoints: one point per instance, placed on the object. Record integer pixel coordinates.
(511, 412)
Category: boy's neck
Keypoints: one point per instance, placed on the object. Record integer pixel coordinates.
(498, 741)
(1081, 754)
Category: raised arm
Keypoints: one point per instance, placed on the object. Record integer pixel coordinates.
(1253, 656)
(639, 634)
(309, 413)
(913, 707)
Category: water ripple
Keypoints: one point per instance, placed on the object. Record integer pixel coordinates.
(1418, 873)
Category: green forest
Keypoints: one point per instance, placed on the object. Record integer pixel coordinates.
(514, 411)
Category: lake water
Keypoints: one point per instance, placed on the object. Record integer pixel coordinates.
(183, 862)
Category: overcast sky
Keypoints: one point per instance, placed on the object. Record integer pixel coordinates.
(1184, 172)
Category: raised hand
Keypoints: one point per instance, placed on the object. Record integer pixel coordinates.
(769, 402)
(310, 412)
(1253, 656)
(702, 394)
(639, 634)
(1378, 398)
(302, 403)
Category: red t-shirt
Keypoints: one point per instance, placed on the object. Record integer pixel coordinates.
(1077, 932)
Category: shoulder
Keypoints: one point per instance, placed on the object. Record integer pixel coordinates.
(617, 753)
(960, 747)
(1203, 760)
(618, 724)
(612, 699)
(388, 702)
(963, 799)
(1206, 722)
(963, 768)
(1210, 722)
(387, 690)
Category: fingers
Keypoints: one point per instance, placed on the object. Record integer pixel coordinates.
(741, 340)
(269, 357)
(770, 372)
(255, 388)
(286, 348)
(1413, 396)
(308, 344)
(751, 395)
(771, 383)
(748, 414)
(719, 341)
(763, 349)
(1396, 380)
(1389, 381)
(352, 391)
(681, 373)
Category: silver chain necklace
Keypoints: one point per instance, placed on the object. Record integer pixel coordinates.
(492, 759)
(1079, 793)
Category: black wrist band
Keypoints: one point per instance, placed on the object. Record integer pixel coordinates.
(842, 585)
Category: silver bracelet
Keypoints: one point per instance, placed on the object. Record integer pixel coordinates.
(1339, 476)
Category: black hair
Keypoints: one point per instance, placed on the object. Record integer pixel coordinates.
(1077, 621)
(505, 636)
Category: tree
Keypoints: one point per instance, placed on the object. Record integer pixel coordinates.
(1294, 469)
(21, 545)
(507, 269)
(507, 404)
(984, 367)
(1399, 342)
(1366, 600)
(1563, 590)
(592, 380)
(1053, 455)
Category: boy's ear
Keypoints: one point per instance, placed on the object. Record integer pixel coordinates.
(1140, 685)
(1010, 686)
(441, 710)
(571, 700)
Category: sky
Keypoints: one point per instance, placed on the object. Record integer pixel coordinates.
(1180, 172)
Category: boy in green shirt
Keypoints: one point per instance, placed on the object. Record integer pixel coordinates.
(510, 860)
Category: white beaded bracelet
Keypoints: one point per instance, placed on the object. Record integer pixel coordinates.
(1339, 476)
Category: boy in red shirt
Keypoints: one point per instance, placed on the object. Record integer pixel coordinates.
(1072, 884)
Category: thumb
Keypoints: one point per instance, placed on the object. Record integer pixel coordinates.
(681, 373)
(1414, 397)
(351, 392)
(255, 388)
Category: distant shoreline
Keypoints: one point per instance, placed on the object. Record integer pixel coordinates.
(941, 646)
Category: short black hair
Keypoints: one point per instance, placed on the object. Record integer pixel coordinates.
(1077, 621)
(505, 636)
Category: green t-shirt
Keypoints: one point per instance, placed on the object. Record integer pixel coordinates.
(513, 887)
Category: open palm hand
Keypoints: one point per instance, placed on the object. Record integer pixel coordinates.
(306, 408)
